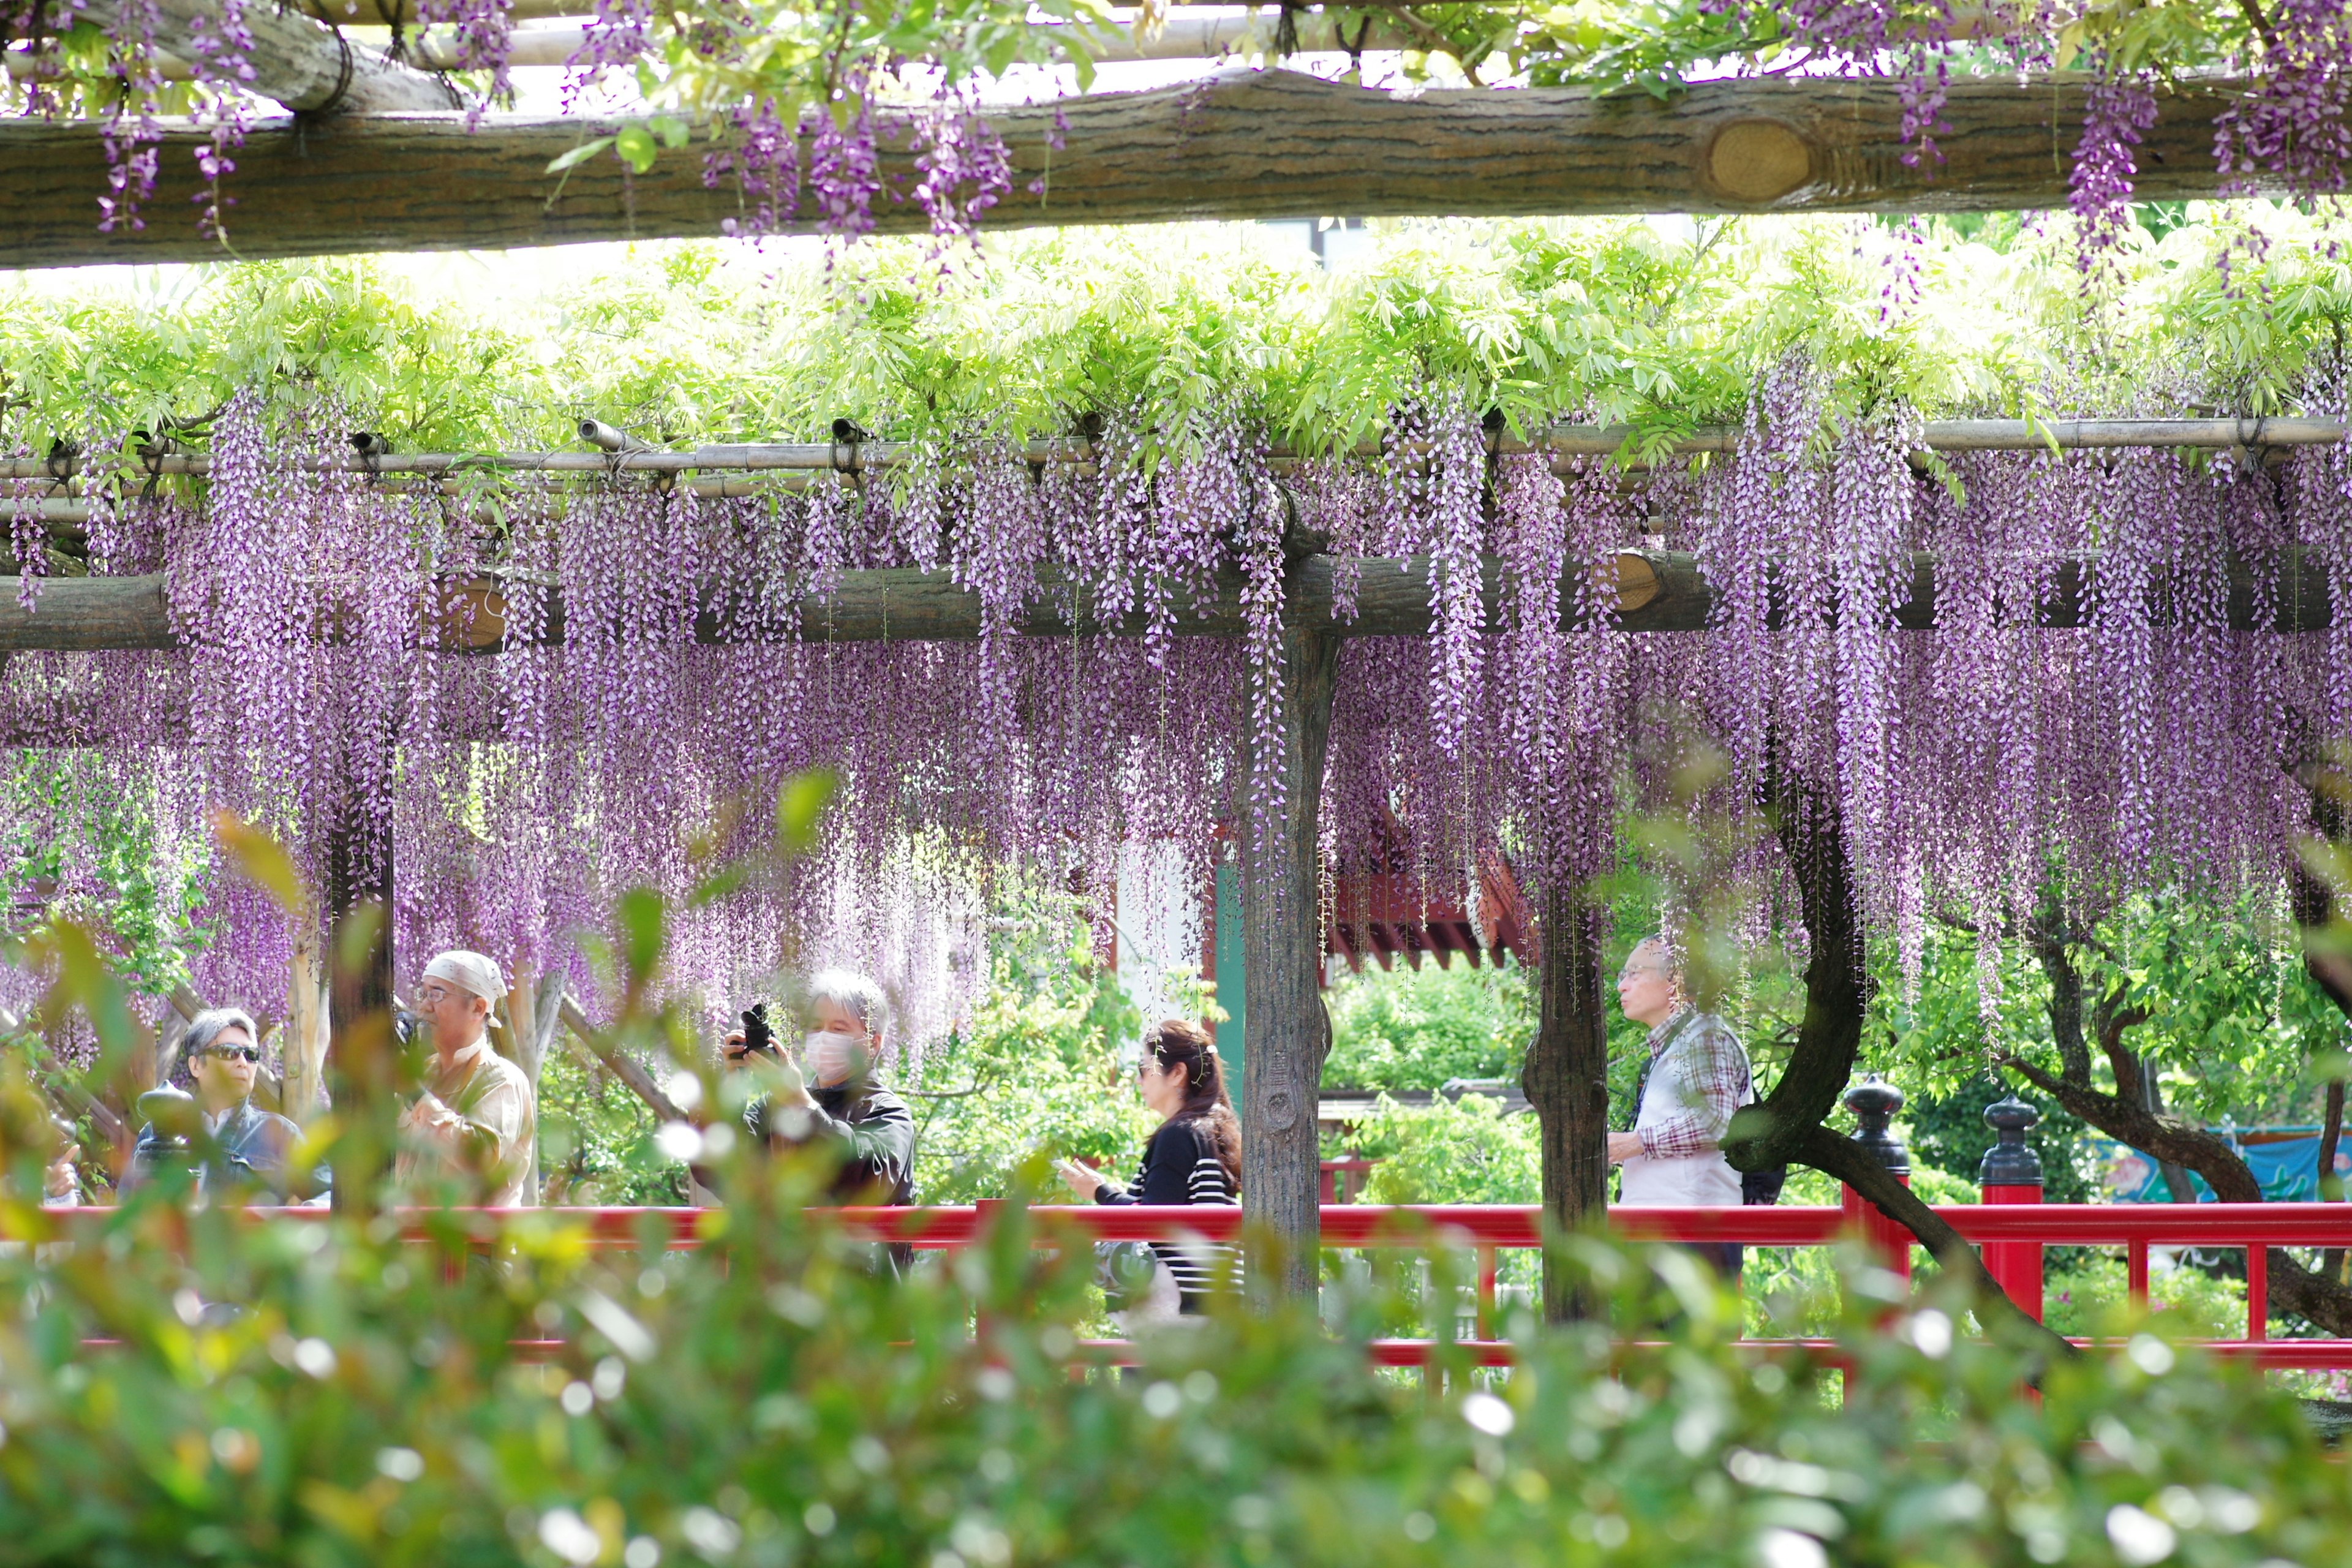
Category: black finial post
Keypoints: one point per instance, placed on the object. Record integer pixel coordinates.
(1874, 1102)
(2011, 1162)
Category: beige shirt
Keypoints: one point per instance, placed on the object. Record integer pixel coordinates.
(477, 1121)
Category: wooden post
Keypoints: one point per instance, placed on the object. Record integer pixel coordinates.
(305, 1051)
(1874, 1102)
(359, 984)
(2011, 1173)
(522, 1017)
(1289, 1033)
(1565, 1080)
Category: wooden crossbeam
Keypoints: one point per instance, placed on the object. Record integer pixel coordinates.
(1564, 440)
(1244, 144)
(295, 60)
(1650, 591)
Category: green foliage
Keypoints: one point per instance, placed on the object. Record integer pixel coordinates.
(596, 1141)
(1409, 1028)
(769, 1400)
(1042, 1069)
(1179, 332)
(2093, 1296)
(2231, 1020)
(1451, 1152)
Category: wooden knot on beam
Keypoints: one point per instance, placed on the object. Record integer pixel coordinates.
(1756, 161)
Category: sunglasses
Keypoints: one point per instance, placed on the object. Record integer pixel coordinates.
(250, 1053)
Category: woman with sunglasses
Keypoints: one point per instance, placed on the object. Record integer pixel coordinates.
(1195, 1157)
(232, 1142)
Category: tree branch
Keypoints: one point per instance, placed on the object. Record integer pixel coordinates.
(1851, 1163)
(1788, 1124)
(2293, 1288)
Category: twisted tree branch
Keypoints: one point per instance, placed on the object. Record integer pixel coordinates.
(2293, 1288)
(1788, 1124)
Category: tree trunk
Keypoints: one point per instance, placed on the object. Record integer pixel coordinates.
(1787, 1125)
(2293, 1288)
(1565, 1080)
(1288, 1033)
(1243, 144)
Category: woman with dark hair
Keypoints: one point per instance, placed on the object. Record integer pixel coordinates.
(1195, 1157)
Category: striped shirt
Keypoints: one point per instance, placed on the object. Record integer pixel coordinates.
(1180, 1167)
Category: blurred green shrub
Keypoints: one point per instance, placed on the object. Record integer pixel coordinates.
(315, 1394)
(2094, 1297)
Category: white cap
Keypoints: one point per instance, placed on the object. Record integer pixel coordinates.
(469, 971)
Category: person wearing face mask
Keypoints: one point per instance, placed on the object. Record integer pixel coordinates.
(831, 1099)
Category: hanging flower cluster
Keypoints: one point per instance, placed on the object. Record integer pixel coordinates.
(514, 715)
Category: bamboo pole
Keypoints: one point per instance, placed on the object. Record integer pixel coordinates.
(630, 456)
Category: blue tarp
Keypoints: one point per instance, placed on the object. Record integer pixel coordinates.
(2284, 1159)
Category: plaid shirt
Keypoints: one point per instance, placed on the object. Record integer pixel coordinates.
(1708, 1078)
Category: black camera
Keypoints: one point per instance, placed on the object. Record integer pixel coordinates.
(757, 1034)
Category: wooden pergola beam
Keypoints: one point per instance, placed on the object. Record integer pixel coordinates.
(296, 60)
(1651, 591)
(2250, 433)
(1244, 144)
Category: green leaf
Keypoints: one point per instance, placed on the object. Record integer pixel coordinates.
(637, 146)
(578, 155)
(643, 919)
(798, 805)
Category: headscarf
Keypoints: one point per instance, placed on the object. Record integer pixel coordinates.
(470, 971)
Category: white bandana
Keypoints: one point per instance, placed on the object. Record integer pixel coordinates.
(469, 972)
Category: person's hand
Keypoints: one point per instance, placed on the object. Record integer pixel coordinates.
(61, 1180)
(1083, 1180)
(1623, 1146)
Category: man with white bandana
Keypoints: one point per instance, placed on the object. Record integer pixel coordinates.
(475, 1123)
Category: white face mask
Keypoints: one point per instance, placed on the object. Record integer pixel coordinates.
(833, 1056)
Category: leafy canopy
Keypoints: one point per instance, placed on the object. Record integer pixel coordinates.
(1175, 332)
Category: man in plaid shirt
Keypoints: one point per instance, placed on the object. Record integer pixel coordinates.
(1695, 1075)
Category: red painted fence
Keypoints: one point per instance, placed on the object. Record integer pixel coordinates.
(2012, 1233)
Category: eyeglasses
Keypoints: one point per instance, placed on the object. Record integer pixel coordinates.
(250, 1053)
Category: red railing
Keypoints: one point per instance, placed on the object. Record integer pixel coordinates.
(2014, 1234)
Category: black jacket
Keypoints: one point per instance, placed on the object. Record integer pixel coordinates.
(249, 1150)
(1180, 1166)
(875, 1134)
